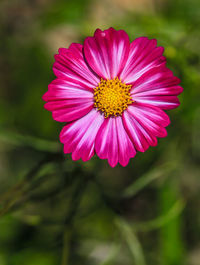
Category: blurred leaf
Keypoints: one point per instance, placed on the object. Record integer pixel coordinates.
(160, 221)
(14, 195)
(30, 141)
(171, 254)
(132, 241)
(33, 257)
(147, 178)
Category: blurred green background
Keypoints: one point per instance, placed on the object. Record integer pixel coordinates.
(54, 211)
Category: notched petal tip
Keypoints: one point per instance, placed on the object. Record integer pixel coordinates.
(44, 97)
(62, 51)
(112, 164)
(109, 30)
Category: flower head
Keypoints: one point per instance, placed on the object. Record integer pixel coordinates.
(111, 94)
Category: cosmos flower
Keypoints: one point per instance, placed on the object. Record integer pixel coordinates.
(111, 94)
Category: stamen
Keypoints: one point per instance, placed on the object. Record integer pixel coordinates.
(112, 97)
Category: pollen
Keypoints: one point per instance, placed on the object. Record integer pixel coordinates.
(112, 97)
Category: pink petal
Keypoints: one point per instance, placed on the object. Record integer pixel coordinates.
(106, 144)
(159, 80)
(163, 102)
(107, 52)
(69, 110)
(149, 119)
(158, 87)
(125, 146)
(144, 123)
(79, 136)
(70, 63)
(67, 101)
(113, 143)
(140, 138)
(143, 56)
(60, 89)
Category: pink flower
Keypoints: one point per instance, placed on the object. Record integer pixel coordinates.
(111, 94)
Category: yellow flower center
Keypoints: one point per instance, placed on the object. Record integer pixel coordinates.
(112, 97)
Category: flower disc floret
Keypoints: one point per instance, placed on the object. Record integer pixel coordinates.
(112, 97)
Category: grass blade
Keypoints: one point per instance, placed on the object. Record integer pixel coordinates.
(132, 242)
